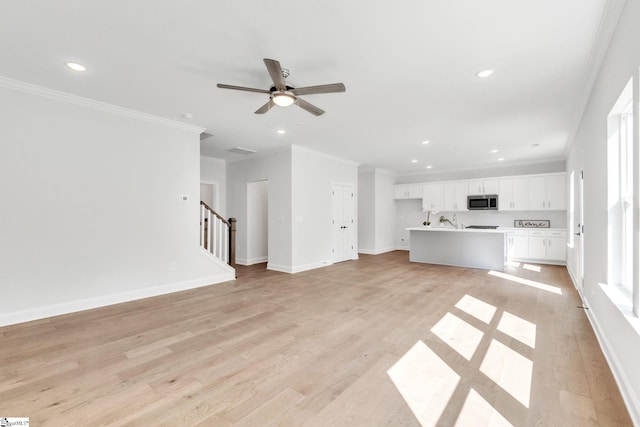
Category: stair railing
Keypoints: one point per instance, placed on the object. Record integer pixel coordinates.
(218, 235)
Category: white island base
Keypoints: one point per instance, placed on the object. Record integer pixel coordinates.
(458, 247)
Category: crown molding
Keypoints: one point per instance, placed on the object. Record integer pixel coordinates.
(608, 22)
(96, 105)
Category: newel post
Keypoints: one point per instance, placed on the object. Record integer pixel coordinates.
(232, 242)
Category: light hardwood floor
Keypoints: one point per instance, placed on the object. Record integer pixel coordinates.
(378, 341)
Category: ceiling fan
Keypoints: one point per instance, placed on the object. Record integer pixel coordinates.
(282, 94)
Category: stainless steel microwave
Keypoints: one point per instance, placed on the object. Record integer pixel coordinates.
(482, 202)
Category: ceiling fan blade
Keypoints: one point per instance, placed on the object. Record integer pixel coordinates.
(247, 89)
(275, 71)
(309, 107)
(330, 88)
(266, 107)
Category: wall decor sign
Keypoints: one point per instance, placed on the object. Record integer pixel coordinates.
(532, 223)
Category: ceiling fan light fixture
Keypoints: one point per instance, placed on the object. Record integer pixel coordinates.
(283, 99)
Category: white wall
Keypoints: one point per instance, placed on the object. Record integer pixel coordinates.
(275, 168)
(214, 170)
(367, 212)
(385, 211)
(257, 223)
(620, 340)
(313, 173)
(376, 212)
(91, 210)
(299, 187)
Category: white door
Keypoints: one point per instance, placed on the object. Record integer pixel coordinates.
(580, 232)
(343, 222)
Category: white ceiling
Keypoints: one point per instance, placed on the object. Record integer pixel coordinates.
(409, 69)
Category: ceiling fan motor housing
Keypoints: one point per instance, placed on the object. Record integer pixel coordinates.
(273, 89)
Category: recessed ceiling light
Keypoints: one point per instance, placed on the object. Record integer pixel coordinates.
(494, 150)
(281, 131)
(501, 159)
(76, 67)
(484, 73)
(414, 161)
(425, 142)
(429, 167)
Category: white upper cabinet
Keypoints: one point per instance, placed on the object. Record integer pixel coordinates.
(408, 191)
(483, 186)
(433, 197)
(556, 194)
(455, 196)
(513, 194)
(547, 192)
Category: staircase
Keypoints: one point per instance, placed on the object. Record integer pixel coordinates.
(217, 235)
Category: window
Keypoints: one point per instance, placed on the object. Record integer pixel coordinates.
(620, 169)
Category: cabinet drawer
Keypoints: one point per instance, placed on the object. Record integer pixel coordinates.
(557, 233)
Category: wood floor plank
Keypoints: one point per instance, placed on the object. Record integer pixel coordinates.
(314, 349)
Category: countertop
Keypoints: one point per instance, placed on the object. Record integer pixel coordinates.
(460, 230)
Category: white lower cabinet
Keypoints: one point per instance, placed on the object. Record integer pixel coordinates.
(518, 244)
(537, 245)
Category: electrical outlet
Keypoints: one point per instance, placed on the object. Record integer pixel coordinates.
(172, 266)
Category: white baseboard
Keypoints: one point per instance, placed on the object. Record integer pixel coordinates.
(37, 313)
(626, 390)
(280, 268)
(312, 266)
(297, 268)
(402, 248)
(251, 261)
(375, 251)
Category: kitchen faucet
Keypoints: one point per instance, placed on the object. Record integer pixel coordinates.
(443, 219)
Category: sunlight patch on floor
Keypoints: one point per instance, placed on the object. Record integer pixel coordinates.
(527, 282)
(518, 328)
(530, 267)
(510, 370)
(425, 382)
(458, 334)
(477, 308)
(478, 412)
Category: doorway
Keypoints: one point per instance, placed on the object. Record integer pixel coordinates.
(343, 222)
(257, 222)
(209, 194)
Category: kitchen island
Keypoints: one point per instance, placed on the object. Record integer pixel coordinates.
(475, 248)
